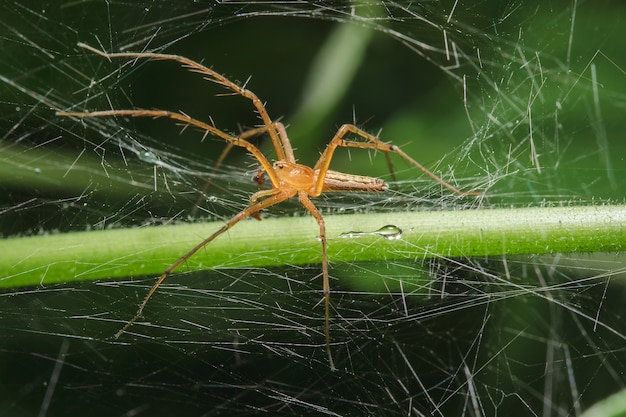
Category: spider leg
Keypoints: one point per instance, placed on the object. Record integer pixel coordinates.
(271, 198)
(187, 120)
(323, 162)
(308, 204)
(260, 194)
(258, 178)
(212, 76)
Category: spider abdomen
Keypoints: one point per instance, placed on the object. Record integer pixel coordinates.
(340, 181)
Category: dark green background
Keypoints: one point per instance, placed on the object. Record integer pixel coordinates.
(508, 336)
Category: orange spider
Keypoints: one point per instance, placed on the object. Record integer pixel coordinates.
(288, 178)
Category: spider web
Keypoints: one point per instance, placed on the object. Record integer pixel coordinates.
(522, 100)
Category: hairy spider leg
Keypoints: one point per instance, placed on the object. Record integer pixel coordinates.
(258, 178)
(338, 140)
(282, 146)
(272, 197)
(308, 204)
(182, 117)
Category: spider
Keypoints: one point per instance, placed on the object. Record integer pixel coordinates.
(288, 178)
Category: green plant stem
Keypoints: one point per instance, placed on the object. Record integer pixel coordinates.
(41, 260)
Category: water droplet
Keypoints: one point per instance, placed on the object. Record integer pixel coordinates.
(389, 232)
